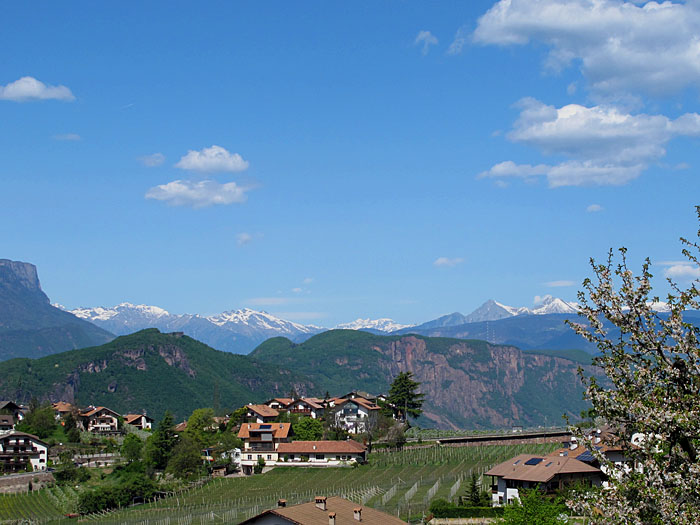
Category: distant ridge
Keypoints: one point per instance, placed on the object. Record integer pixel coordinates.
(237, 331)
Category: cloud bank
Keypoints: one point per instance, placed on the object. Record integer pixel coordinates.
(620, 46)
(213, 159)
(603, 144)
(198, 194)
(29, 88)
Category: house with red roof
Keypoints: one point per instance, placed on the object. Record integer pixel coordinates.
(101, 420)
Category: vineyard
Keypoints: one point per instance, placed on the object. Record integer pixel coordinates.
(401, 483)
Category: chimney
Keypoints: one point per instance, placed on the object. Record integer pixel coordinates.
(331, 518)
(321, 502)
(281, 503)
(357, 513)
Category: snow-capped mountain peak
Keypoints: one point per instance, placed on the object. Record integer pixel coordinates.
(103, 314)
(260, 320)
(381, 325)
(235, 330)
(554, 305)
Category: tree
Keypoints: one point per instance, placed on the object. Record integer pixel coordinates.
(200, 424)
(186, 459)
(476, 496)
(308, 429)
(534, 507)
(650, 397)
(131, 448)
(404, 395)
(160, 444)
(40, 420)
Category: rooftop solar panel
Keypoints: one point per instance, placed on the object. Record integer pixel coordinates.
(533, 461)
(586, 457)
(265, 426)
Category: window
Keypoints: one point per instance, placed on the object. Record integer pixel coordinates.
(320, 456)
(269, 457)
(250, 456)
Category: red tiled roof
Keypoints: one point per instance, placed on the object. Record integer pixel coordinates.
(549, 466)
(95, 410)
(279, 430)
(264, 410)
(344, 511)
(321, 447)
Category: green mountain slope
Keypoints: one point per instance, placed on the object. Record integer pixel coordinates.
(467, 383)
(148, 371)
(29, 325)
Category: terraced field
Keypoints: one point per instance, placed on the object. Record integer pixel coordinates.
(401, 483)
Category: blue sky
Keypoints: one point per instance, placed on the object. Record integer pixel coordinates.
(325, 161)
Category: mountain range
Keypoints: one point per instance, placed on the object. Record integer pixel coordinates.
(467, 384)
(237, 331)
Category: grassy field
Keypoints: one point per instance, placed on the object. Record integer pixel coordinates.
(401, 483)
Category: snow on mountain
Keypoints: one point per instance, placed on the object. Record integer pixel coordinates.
(554, 305)
(124, 309)
(380, 325)
(237, 331)
(260, 321)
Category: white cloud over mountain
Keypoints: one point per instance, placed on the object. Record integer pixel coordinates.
(29, 88)
(604, 145)
(213, 159)
(198, 194)
(621, 46)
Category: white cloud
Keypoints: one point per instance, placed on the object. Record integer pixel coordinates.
(297, 289)
(427, 39)
(559, 284)
(461, 39)
(243, 238)
(681, 270)
(593, 208)
(198, 194)
(605, 145)
(152, 160)
(67, 137)
(447, 262)
(621, 46)
(308, 280)
(29, 88)
(212, 159)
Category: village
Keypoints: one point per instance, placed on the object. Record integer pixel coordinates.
(275, 434)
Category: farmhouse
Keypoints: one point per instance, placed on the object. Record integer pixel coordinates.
(323, 511)
(62, 409)
(7, 423)
(279, 403)
(100, 420)
(322, 453)
(356, 415)
(260, 440)
(551, 473)
(261, 414)
(18, 449)
(13, 409)
(306, 406)
(141, 421)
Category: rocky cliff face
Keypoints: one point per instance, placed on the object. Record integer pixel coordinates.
(29, 325)
(490, 385)
(20, 275)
